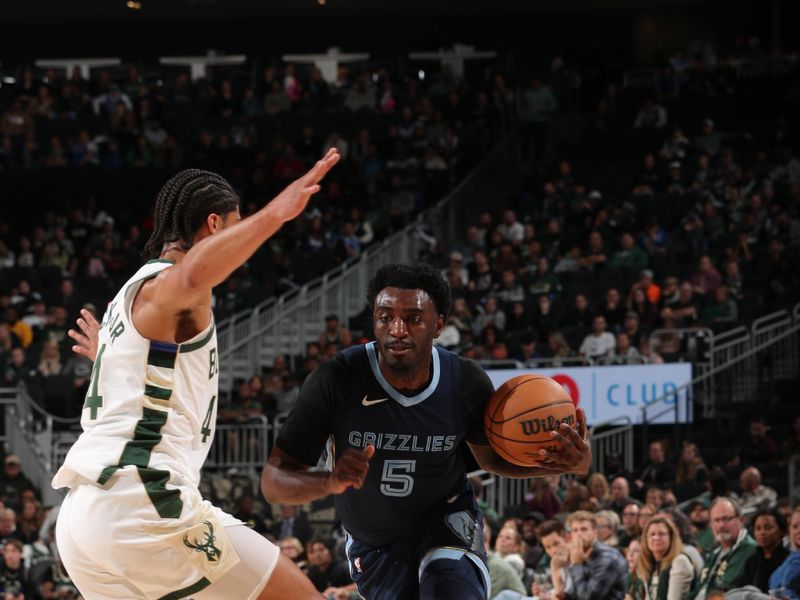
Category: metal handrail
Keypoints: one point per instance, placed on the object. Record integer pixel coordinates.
(783, 327)
(617, 359)
(558, 362)
(501, 364)
(736, 335)
(620, 434)
(43, 412)
(716, 368)
(29, 442)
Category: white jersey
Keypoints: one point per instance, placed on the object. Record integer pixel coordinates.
(133, 524)
(151, 406)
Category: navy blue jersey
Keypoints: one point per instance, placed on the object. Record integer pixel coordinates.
(417, 465)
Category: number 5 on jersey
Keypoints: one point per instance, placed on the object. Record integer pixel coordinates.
(397, 480)
(93, 399)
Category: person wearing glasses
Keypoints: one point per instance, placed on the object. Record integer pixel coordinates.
(725, 567)
(630, 524)
(663, 571)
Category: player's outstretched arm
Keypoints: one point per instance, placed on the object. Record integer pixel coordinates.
(575, 455)
(210, 261)
(288, 481)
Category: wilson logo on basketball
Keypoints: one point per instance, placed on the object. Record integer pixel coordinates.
(534, 426)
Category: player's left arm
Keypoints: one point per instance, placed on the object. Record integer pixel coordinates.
(573, 456)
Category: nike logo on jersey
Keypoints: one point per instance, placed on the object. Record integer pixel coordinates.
(366, 402)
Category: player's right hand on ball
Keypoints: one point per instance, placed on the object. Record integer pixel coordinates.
(350, 470)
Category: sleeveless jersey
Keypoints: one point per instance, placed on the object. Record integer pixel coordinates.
(417, 464)
(151, 406)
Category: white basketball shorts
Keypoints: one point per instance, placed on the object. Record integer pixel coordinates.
(115, 546)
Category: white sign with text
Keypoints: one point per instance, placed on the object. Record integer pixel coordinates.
(609, 392)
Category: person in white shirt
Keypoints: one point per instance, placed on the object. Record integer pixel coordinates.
(510, 228)
(755, 496)
(600, 342)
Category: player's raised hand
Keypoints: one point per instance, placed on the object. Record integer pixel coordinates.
(575, 455)
(350, 470)
(86, 337)
(291, 201)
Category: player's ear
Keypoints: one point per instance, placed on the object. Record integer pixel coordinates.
(214, 222)
(439, 326)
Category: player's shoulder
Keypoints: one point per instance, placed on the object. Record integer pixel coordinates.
(335, 368)
(473, 376)
(470, 366)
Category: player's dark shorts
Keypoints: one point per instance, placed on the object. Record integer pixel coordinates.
(393, 572)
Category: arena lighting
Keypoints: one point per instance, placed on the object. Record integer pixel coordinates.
(134, 5)
(322, 2)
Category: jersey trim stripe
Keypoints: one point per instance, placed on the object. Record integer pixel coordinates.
(372, 355)
(162, 354)
(159, 260)
(199, 343)
(156, 392)
(168, 503)
(147, 436)
(192, 589)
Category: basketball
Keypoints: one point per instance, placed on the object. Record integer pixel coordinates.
(521, 414)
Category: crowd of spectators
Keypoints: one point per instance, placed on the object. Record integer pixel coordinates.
(682, 224)
(673, 530)
(582, 265)
(29, 565)
(404, 143)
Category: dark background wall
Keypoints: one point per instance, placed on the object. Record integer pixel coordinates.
(580, 29)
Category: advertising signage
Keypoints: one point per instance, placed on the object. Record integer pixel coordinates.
(610, 392)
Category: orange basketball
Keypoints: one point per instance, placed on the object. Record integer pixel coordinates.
(522, 413)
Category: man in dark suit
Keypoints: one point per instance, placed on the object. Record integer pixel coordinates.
(293, 523)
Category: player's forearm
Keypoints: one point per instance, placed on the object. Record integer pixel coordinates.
(212, 260)
(286, 486)
(490, 461)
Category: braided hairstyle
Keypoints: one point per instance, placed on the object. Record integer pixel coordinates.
(183, 205)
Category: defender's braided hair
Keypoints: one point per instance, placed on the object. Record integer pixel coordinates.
(183, 204)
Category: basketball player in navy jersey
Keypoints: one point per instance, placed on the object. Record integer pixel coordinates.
(393, 414)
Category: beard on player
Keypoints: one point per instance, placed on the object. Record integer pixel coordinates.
(402, 356)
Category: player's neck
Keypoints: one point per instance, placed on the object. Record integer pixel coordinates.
(172, 251)
(410, 381)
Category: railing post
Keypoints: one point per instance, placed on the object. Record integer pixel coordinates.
(254, 345)
(324, 308)
(645, 430)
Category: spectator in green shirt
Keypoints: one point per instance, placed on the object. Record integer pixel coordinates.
(725, 567)
(629, 255)
(722, 309)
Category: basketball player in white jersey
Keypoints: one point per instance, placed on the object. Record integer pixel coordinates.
(133, 524)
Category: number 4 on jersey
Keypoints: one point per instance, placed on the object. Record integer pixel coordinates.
(205, 430)
(94, 400)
